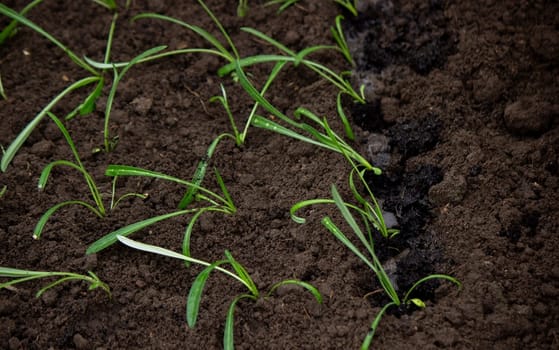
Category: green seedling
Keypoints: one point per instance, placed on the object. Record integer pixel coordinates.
(290, 56)
(369, 210)
(339, 38)
(239, 137)
(213, 203)
(296, 58)
(108, 4)
(86, 107)
(8, 12)
(98, 208)
(374, 264)
(3, 191)
(242, 8)
(326, 139)
(219, 49)
(110, 142)
(14, 147)
(19, 276)
(2, 92)
(11, 28)
(284, 4)
(239, 273)
(350, 5)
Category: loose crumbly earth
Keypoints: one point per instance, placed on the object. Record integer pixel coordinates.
(464, 93)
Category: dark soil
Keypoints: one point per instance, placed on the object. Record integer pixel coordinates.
(461, 116)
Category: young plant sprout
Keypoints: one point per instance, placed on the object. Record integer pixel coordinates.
(338, 80)
(19, 276)
(350, 5)
(213, 203)
(8, 12)
(3, 191)
(240, 274)
(284, 4)
(339, 38)
(327, 138)
(296, 58)
(373, 262)
(219, 49)
(242, 8)
(108, 4)
(11, 28)
(14, 147)
(98, 208)
(108, 141)
(2, 92)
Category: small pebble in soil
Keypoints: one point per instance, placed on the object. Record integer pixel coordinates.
(49, 297)
(529, 116)
(80, 342)
(14, 344)
(141, 105)
(452, 189)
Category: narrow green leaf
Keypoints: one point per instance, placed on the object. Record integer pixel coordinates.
(369, 338)
(228, 341)
(195, 293)
(37, 232)
(312, 289)
(111, 238)
(24, 134)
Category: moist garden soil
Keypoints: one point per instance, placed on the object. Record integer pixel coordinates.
(461, 116)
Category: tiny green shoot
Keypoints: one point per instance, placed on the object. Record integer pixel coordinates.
(350, 5)
(284, 4)
(213, 202)
(6, 11)
(98, 209)
(19, 276)
(109, 4)
(339, 38)
(296, 58)
(242, 8)
(2, 92)
(110, 142)
(24, 134)
(374, 264)
(219, 49)
(3, 191)
(327, 138)
(239, 273)
(11, 28)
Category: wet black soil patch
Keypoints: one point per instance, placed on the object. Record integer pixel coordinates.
(416, 35)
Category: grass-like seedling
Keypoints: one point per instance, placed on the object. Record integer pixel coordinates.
(219, 49)
(11, 28)
(298, 58)
(2, 92)
(109, 4)
(326, 138)
(14, 147)
(8, 12)
(3, 191)
(110, 142)
(284, 4)
(212, 203)
(350, 5)
(373, 262)
(19, 276)
(242, 8)
(239, 273)
(339, 38)
(98, 208)
(369, 210)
